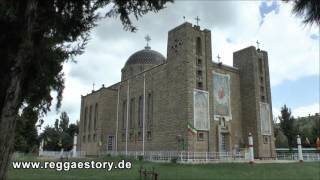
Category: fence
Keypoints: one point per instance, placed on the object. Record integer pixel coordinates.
(62, 154)
(183, 156)
(294, 156)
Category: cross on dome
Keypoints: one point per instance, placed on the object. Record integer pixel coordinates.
(197, 19)
(148, 39)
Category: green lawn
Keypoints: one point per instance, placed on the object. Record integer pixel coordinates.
(219, 171)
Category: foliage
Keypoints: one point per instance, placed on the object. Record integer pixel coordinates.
(26, 132)
(307, 127)
(287, 126)
(140, 158)
(174, 160)
(36, 38)
(281, 140)
(309, 9)
(60, 135)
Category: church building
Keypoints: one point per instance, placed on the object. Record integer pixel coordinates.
(182, 102)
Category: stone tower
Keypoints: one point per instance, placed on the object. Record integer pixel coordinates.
(189, 57)
(256, 98)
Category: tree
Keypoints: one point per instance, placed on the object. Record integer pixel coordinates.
(26, 133)
(61, 132)
(287, 125)
(309, 9)
(36, 38)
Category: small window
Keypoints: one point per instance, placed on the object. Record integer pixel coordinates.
(261, 79)
(149, 135)
(139, 136)
(261, 89)
(131, 137)
(199, 85)
(94, 138)
(123, 137)
(198, 46)
(200, 136)
(263, 98)
(199, 62)
(84, 139)
(89, 138)
(199, 73)
(265, 140)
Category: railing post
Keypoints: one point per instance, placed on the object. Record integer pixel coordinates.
(206, 156)
(299, 149)
(251, 155)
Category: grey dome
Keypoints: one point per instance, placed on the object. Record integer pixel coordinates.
(146, 56)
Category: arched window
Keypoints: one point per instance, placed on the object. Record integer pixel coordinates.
(198, 46)
(150, 109)
(90, 118)
(140, 112)
(85, 119)
(124, 112)
(95, 116)
(131, 117)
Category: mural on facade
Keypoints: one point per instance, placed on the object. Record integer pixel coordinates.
(221, 95)
(201, 110)
(265, 119)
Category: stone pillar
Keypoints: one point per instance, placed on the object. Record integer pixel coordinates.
(251, 155)
(74, 149)
(41, 148)
(299, 149)
(61, 152)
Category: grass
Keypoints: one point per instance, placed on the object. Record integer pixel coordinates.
(167, 171)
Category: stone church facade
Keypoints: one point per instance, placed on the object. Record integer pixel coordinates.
(185, 102)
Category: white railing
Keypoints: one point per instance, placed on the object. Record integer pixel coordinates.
(294, 156)
(58, 154)
(182, 156)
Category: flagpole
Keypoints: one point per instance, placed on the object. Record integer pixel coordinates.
(117, 124)
(127, 117)
(144, 111)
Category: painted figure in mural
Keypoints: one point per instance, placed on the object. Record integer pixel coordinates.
(221, 94)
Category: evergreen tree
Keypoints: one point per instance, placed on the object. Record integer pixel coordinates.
(60, 134)
(26, 132)
(309, 9)
(287, 126)
(36, 38)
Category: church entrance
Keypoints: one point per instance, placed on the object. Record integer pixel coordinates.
(110, 143)
(224, 142)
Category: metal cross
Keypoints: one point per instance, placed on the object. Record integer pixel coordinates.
(197, 19)
(218, 58)
(148, 39)
(257, 44)
(93, 86)
(184, 18)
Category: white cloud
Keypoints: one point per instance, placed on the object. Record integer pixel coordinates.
(306, 110)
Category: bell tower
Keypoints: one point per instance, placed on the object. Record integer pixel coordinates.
(189, 58)
(256, 98)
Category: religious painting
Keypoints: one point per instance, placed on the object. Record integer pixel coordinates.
(201, 109)
(265, 119)
(221, 95)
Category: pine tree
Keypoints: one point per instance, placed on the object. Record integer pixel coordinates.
(287, 126)
(36, 38)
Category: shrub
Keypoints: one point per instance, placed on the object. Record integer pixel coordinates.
(174, 160)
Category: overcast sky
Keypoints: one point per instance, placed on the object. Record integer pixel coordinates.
(293, 49)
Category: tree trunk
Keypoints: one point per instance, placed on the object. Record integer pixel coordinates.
(13, 98)
(8, 123)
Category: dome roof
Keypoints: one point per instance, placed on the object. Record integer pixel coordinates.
(146, 56)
